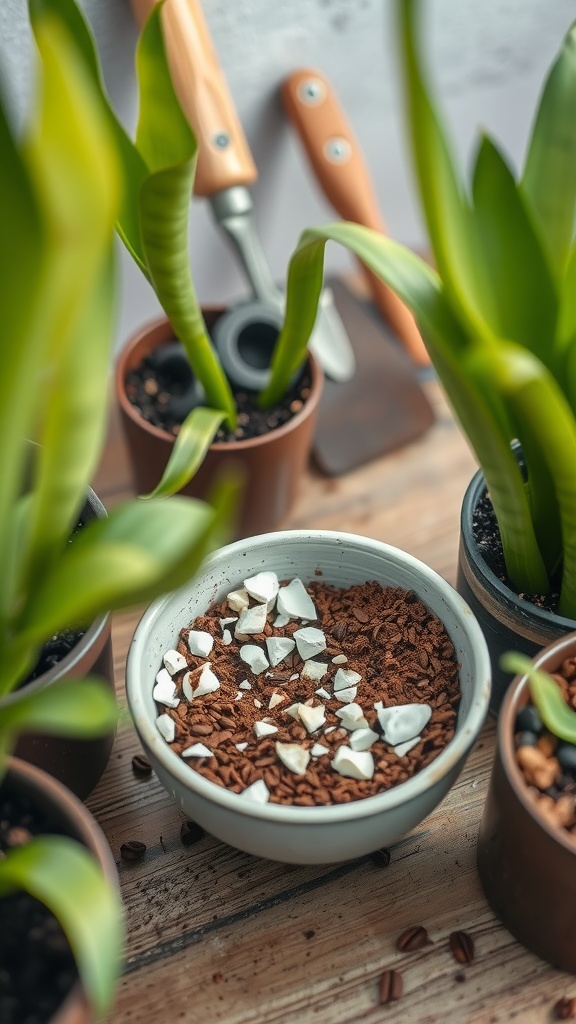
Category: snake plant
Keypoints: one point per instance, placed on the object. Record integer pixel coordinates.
(61, 193)
(498, 315)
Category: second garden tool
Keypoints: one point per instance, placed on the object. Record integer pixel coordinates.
(225, 170)
(337, 161)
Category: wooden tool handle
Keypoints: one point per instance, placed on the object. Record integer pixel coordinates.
(224, 159)
(337, 161)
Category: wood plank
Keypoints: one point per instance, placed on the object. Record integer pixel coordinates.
(217, 935)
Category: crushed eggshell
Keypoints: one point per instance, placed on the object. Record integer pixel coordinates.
(263, 587)
(241, 746)
(238, 600)
(281, 620)
(352, 717)
(197, 750)
(295, 601)
(323, 693)
(166, 727)
(402, 748)
(226, 637)
(353, 764)
(174, 662)
(275, 699)
(228, 621)
(362, 739)
(208, 682)
(239, 695)
(403, 721)
(314, 670)
(251, 620)
(264, 729)
(245, 685)
(319, 749)
(257, 703)
(279, 647)
(340, 659)
(200, 643)
(165, 689)
(292, 710)
(348, 695)
(312, 717)
(346, 677)
(254, 657)
(309, 641)
(293, 756)
(258, 792)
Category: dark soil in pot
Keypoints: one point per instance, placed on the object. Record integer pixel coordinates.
(37, 969)
(163, 391)
(487, 536)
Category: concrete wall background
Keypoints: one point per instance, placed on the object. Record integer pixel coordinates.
(488, 61)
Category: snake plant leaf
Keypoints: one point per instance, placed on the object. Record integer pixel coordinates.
(62, 874)
(520, 282)
(169, 148)
(566, 333)
(537, 400)
(23, 250)
(67, 707)
(447, 212)
(133, 166)
(68, 457)
(548, 182)
(140, 549)
(546, 694)
(192, 442)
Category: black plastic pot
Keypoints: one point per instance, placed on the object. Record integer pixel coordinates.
(78, 764)
(509, 622)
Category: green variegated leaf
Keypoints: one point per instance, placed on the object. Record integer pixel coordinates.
(67, 707)
(192, 442)
(141, 549)
(546, 694)
(524, 306)
(549, 182)
(66, 878)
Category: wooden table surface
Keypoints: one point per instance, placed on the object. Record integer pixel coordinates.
(217, 935)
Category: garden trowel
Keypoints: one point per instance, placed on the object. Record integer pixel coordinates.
(225, 170)
(337, 161)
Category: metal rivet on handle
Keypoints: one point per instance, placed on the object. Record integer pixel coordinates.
(337, 150)
(312, 91)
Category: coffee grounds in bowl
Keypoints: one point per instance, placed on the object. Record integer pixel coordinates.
(276, 734)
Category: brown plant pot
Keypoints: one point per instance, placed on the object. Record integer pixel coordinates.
(69, 813)
(272, 464)
(528, 867)
(78, 764)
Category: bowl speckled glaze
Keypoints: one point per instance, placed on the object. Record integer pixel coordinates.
(308, 835)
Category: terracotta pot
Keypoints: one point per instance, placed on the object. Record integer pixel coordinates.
(508, 622)
(272, 464)
(78, 764)
(528, 867)
(68, 813)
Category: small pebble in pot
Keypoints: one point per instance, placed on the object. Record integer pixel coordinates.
(525, 739)
(566, 754)
(528, 720)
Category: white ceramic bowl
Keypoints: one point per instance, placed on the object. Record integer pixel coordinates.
(308, 835)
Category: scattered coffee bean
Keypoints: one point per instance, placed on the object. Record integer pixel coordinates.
(415, 937)
(340, 630)
(462, 947)
(565, 1008)
(381, 857)
(141, 765)
(132, 850)
(391, 987)
(526, 739)
(191, 832)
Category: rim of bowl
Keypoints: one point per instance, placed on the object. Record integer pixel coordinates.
(507, 716)
(452, 753)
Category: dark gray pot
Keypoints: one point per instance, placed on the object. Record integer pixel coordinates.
(508, 622)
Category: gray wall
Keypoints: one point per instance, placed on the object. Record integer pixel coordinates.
(488, 60)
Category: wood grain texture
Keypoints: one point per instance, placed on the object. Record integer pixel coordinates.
(216, 935)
